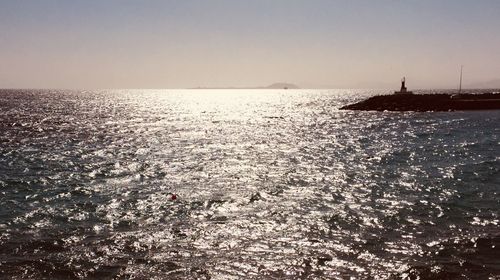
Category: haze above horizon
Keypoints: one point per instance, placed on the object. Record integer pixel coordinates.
(196, 43)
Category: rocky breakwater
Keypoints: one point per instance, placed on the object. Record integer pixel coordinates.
(428, 102)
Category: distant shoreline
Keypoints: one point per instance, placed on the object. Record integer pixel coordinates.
(273, 86)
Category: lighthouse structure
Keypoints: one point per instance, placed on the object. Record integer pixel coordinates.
(403, 89)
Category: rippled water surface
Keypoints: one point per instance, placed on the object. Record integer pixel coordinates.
(269, 184)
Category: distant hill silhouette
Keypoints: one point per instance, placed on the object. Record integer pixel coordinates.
(282, 85)
(273, 86)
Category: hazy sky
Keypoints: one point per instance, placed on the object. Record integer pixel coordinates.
(189, 43)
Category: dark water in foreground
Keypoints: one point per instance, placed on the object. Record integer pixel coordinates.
(270, 184)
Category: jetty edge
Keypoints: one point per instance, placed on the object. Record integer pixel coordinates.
(428, 102)
(404, 100)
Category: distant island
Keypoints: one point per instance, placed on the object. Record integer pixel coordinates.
(272, 86)
(282, 86)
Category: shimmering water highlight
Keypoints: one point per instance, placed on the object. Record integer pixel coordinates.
(271, 185)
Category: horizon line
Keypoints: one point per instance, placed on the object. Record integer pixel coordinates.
(246, 88)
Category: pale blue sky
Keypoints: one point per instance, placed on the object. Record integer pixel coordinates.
(174, 44)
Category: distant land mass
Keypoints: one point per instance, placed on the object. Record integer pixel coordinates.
(282, 86)
(272, 86)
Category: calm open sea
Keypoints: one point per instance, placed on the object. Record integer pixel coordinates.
(270, 184)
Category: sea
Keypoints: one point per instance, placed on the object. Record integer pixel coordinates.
(244, 184)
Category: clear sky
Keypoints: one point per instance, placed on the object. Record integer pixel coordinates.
(190, 43)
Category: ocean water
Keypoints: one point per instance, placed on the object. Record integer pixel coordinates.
(270, 184)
